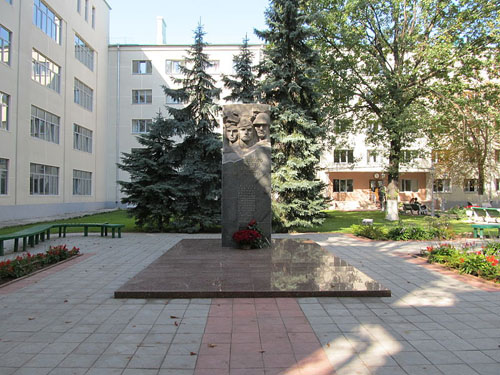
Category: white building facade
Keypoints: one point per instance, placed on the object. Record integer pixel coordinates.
(53, 91)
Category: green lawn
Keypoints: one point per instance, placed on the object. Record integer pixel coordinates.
(341, 221)
(336, 221)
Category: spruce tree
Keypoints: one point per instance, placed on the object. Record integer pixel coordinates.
(243, 84)
(290, 71)
(198, 153)
(151, 189)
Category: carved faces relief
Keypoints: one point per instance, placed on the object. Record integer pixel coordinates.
(232, 133)
(261, 124)
(246, 132)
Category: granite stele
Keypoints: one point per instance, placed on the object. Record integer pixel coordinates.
(246, 169)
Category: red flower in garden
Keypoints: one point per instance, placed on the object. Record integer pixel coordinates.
(462, 260)
(494, 261)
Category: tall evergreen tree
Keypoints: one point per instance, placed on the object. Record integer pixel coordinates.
(243, 84)
(151, 189)
(198, 154)
(290, 71)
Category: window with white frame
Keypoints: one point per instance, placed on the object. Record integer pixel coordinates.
(5, 41)
(46, 20)
(471, 185)
(343, 156)
(84, 53)
(173, 66)
(44, 179)
(343, 186)
(45, 71)
(213, 67)
(141, 126)
(141, 67)
(86, 10)
(93, 17)
(442, 185)
(79, 6)
(83, 95)
(4, 174)
(408, 155)
(172, 100)
(82, 182)
(82, 138)
(9, 1)
(44, 125)
(142, 96)
(4, 111)
(373, 156)
(409, 185)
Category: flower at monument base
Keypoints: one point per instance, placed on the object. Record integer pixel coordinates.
(252, 236)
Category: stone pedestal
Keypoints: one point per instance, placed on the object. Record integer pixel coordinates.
(246, 170)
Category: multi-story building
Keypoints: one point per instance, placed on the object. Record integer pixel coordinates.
(53, 97)
(137, 74)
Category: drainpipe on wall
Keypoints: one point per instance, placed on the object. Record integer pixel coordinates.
(117, 128)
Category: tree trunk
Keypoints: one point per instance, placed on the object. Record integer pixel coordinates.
(392, 213)
(480, 180)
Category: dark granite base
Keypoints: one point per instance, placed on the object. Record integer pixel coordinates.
(290, 268)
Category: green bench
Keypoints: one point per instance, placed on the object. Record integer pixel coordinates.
(31, 236)
(479, 229)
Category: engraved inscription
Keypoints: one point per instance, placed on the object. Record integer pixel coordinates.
(253, 162)
(246, 203)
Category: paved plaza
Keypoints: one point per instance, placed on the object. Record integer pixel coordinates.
(66, 321)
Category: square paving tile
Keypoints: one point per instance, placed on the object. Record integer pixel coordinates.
(202, 268)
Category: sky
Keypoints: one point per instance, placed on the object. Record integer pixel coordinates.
(224, 21)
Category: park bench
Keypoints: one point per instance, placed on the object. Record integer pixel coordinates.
(485, 214)
(479, 228)
(30, 236)
(412, 208)
(37, 233)
(104, 228)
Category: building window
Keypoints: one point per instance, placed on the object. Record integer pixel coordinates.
(408, 155)
(82, 182)
(84, 53)
(213, 67)
(142, 96)
(87, 10)
(470, 185)
(79, 6)
(141, 67)
(46, 20)
(343, 186)
(497, 156)
(44, 179)
(44, 125)
(93, 17)
(5, 39)
(343, 156)
(141, 126)
(442, 185)
(173, 66)
(373, 157)
(497, 184)
(9, 1)
(409, 186)
(45, 71)
(4, 111)
(82, 138)
(4, 173)
(171, 100)
(83, 95)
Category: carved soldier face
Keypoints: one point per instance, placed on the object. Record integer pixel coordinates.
(245, 132)
(232, 133)
(261, 124)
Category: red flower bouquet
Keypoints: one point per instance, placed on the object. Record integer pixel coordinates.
(251, 237)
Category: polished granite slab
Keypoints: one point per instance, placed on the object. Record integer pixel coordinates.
(197, 268)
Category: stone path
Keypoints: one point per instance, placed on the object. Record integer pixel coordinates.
(66, 322)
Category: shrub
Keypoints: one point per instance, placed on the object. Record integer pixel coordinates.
(370, 231)
(460, 212)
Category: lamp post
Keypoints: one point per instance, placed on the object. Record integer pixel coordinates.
(433, 204)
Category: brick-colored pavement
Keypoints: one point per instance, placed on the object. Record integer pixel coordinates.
(67, 322)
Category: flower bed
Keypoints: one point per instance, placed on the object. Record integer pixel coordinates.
(483, 262)
(28, 263)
